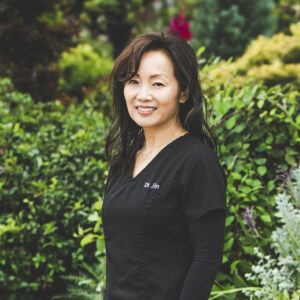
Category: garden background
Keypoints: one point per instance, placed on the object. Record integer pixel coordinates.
(55, 111)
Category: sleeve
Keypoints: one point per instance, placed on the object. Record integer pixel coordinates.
(203, 184)
(207, 237)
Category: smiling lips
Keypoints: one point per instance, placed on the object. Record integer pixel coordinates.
(145, 110)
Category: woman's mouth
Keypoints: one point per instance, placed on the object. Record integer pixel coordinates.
(145, 110)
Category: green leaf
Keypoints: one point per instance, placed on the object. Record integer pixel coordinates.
(228, 244)
(89, 238)
(200, 51)
(266, 219)
(230, 122)
(262, 170)
(239, 128)
(225, 259)
(233, 265)
(260, 104)
(270, 185)
(248, 250)
(229, 220)
(260, 161)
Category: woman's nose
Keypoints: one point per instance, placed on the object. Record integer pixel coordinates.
(144, 94)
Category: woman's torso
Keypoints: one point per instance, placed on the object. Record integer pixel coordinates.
(145, 226)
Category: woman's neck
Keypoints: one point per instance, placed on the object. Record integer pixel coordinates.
(156, 140)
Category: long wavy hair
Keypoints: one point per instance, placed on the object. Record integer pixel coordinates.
(125, 137)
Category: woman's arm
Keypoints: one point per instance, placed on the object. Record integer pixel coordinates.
(207, 237)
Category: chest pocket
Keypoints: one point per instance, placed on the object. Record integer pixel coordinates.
(162, 207)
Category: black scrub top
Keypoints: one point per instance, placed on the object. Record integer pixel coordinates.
(145, 220)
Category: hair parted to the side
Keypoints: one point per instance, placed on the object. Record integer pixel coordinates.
(125, 137)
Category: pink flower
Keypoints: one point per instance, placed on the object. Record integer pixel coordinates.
(180, 27)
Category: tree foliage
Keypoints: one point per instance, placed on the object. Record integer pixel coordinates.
(225, 28)
(272, 61)
(33, 34)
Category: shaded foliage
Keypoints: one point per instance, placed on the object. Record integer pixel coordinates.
(225, 28)
(33, 34)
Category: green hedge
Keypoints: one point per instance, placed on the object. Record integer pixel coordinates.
(53, 170)
(258, 130)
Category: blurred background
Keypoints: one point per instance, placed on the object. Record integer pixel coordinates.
(55, 111)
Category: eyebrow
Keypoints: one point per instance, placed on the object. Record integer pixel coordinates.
(154, 75)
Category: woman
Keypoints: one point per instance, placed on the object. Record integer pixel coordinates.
(164, 206)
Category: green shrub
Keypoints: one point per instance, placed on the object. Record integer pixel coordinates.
(53, 171)
(226, 28)
(53, 168)
(280, 276)
(272, 61)
(82, 68)
(87, 284)
(258, 130)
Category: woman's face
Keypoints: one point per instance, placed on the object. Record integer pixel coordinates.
(152, 94)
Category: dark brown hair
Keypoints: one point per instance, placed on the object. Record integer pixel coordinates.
(125, 137)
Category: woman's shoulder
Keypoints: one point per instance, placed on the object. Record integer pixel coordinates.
(200, 157)
(196, 149)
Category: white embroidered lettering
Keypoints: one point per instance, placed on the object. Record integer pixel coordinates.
(155, 186)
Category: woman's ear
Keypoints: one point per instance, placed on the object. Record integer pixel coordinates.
(184, 96)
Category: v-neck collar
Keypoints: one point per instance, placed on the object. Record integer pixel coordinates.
(155, 158)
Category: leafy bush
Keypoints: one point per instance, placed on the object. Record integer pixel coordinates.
(279, 276)
(81, 68)
(114, 11)
(258, 130)
(272, 61)
(287, 12)
(53, 172)
(225, 28)
(52, 179)
(86, 285)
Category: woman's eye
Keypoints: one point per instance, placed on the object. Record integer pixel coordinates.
(133, 81)
(158, 84)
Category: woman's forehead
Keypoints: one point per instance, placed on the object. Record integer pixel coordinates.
(156, 63)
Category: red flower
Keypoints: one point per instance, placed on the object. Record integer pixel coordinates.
(180, 27)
